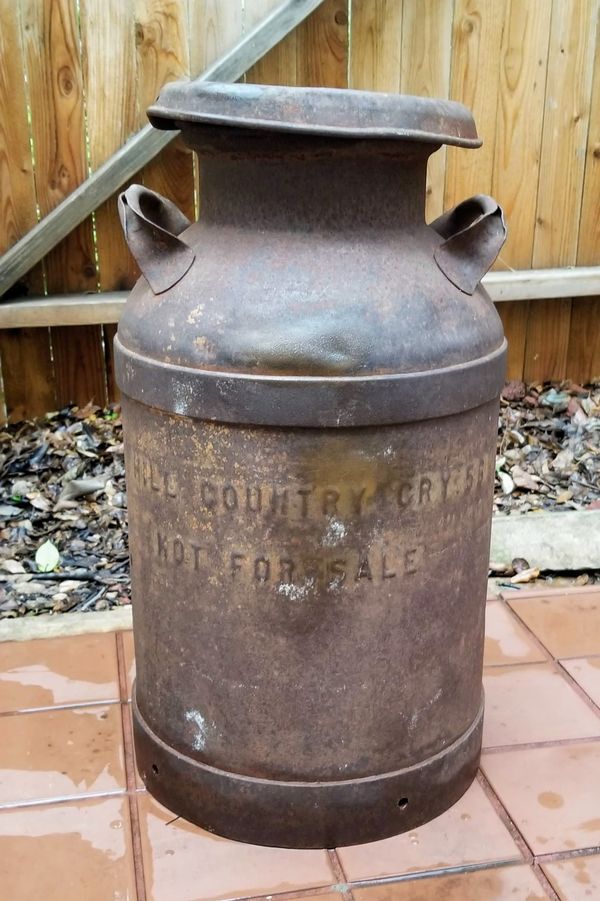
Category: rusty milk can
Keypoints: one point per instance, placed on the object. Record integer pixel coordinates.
(310, 379)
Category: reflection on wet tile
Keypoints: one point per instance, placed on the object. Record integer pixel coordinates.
(552, 794)
(67, 852)
(586, 672)
(470, 832)
(129, 660)
(55, 671)
(548, 709)
(61, 753)
(497, 884)
(569, 626)
(577, 879)
(506, 640)
(185, 863)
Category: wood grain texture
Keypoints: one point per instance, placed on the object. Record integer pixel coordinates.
(322, 43)
(516, 163)
(426, 54)
(547, 340)
(279, 65)
(514, 315)
(583, 356)
(476, 39)
(27, 372)
(17, 187)
(25, 356)
(109, 69)
(376, 45)
(163, 56)
(566, 118)
(588, 246)
(79, 365)
(215, 27)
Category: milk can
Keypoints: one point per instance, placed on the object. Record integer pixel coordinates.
(310, 379)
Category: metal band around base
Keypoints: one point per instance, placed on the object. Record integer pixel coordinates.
(306, 814)
(311, 401)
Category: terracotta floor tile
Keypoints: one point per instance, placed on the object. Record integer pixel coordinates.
(577, 879)
(496, 884)
(57, 671)
(470, 832)
(61, 753)
(129, 660)
(552, 794)
(586, 672)
(533, 702)
(185, 863)
(506, 640)
(569, 626)
(67, 852)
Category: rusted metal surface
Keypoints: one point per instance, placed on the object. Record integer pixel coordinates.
(310, 415)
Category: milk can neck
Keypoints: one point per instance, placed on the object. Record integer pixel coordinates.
(330, 193)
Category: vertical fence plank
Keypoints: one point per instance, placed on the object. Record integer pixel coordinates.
(547, 341)
(27, 373)
(322, 42)
(163, 55)
(566, 119)
(476, 36)
(583, 358)
(514, 315)
(58, 125)
(279, 65)
(426, 47)
(376, 45)
(109, 67)
(563, 153)
(522, 81)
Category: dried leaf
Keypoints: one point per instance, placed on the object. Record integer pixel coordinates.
(47, 557)
(12, 566)
(527, 575)
(508, 486)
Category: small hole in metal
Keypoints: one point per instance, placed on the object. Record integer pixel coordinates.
(155, 769)
(402, 803)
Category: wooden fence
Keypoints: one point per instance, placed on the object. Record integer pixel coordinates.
(77, 75)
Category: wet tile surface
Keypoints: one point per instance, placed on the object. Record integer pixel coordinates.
(67, 852)
(498, 884)
(586, 672)
(69, 744)
(552, 794)
(61, 753)
(185, 863)
(58, 671)
(506, 640)
(577, 879)
(568, 625)
(533, 703)
(470, 832)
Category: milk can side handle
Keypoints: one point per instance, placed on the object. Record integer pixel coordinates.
(475, 231)
(152, 224)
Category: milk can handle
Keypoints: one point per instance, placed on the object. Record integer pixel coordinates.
(474, 231)
(152, 224)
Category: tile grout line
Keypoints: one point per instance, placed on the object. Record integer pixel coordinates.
(59, 707)
(548, 655)
(338, 872)
(544, 881)
(577, 688)
(134, 818)
(494, 799)
(560, 668)
(436, 873)
(549, 743)
(551, 856)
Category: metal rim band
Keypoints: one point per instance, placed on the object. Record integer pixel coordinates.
(317, 402)
(306, 814)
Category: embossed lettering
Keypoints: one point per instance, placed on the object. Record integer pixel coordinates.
(262, 569)
(405, 494)
(424, 489)
(236, 563)
(161, 545)
(286, 569)
(445, 477)
(208, 495)
(178, 551)
(330, 501)
(304, 494)
(279, 501)
(364, 570)
(253, 500)
(357, 498)
(385, 572)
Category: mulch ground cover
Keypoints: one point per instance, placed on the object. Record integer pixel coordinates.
(63, 500)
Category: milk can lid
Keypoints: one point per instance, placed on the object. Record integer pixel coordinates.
(332, 112)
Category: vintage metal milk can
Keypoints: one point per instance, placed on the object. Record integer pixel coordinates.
(310, 379)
